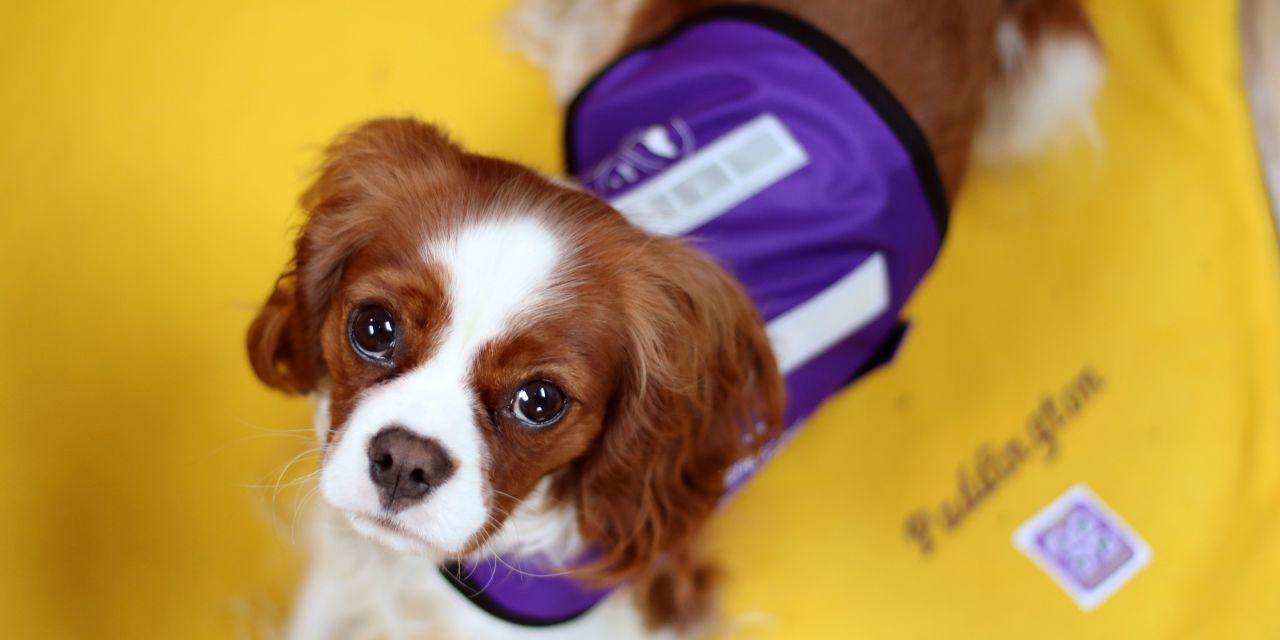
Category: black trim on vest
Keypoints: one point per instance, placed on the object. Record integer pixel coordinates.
(895, 116)
(466, 584)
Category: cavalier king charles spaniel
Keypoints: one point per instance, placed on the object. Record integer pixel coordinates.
(532, 393)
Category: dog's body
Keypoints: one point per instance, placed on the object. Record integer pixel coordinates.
(506, 367)
(995, 78)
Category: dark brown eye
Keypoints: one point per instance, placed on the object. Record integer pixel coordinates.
(538, 403)
(373, 332)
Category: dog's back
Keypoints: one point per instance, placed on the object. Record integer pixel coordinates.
(993, 78)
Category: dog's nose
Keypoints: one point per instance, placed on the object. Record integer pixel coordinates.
(405, 467)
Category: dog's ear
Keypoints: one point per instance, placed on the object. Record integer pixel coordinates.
(277, 350)
(363, 172)
(698, 391)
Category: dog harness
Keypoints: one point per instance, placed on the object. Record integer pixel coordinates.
(775, 151)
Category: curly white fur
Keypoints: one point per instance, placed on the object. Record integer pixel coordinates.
(1045, 92)
(570, 39)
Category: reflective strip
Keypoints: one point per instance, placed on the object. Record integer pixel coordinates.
(809, 329)
(716, 178)
(722, 175)
(839, 311)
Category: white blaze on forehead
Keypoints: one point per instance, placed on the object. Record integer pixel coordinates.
(497, 271)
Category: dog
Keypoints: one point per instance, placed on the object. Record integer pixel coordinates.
(529, 403)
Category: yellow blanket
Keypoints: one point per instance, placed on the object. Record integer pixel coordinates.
(1134, 290)
(1113, 313)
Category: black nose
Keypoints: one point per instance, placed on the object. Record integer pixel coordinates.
(405, 466)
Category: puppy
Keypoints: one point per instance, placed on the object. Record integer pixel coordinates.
(531, 404)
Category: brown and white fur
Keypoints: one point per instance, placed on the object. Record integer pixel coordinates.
(495, 276)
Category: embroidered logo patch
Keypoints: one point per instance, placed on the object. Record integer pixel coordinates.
(1084, 546)
(641, 154)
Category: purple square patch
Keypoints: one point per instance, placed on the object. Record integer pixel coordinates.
(1085, 547)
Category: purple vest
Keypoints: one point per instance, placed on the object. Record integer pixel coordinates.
(776, 152)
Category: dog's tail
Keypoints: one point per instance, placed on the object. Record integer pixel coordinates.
(1049, 67)
(569, 39)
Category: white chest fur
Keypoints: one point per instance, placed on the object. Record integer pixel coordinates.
(358, 590)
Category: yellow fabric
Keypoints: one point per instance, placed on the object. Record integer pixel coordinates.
(151, 155)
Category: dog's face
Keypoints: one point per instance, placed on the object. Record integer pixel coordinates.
(462, 370)
(479, 331)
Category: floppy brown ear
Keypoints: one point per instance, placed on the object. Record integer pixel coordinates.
(699, 391)
(363, 172)
(277, 351)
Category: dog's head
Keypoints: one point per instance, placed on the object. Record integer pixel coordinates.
(476, 331)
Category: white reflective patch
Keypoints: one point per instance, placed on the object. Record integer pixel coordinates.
(714, 179)
(726, 173)
(839, 311)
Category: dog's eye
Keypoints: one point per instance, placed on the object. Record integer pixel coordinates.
(373, 332)
(538, 403)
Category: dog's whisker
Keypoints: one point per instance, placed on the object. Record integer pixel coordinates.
(263, 434)
(292, 461)
(296, 481)
(293, 524)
